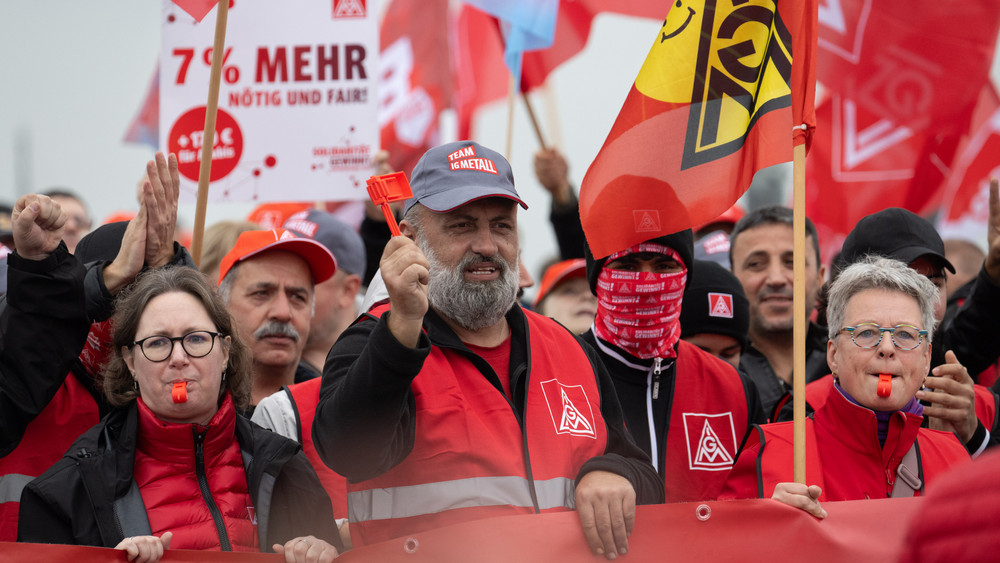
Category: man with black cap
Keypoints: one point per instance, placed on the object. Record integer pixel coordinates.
(973, 335)
(450, 402)
(715, 315)
(687, 409)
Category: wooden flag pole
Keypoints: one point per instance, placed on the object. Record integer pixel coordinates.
(208, 140)
(799, 311)
(511, 93)
(534, 121)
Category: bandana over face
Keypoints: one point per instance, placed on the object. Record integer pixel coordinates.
(639, 312)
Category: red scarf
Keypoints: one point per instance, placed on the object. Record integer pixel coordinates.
(639, 312)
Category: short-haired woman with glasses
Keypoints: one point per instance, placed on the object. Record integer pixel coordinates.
(866, 440)
(175, 465)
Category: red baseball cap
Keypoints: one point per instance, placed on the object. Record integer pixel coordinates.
(558, 273)
(251, 243)
(731, 216)
(273, 215)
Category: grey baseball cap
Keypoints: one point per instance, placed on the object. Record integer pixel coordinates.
(451, 175)
(337, 236)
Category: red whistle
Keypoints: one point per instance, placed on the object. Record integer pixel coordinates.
(884, 385)
(386, 189)
(180, 392)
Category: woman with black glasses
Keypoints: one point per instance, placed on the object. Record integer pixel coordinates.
(866, 440)
(175, 465)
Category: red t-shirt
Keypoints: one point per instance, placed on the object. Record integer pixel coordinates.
(499, 359)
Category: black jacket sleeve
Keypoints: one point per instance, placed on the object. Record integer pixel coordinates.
(376, 235)
(568, 229)
(974, 333)
(365, 419)
(622, 455)
(44, 326)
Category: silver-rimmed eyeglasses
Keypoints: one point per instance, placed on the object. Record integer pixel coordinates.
(869, 335)
(197, 344)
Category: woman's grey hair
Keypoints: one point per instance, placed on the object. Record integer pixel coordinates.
(117, 381)
(876, 272)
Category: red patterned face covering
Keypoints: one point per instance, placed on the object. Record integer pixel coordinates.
(639, 312)
(97, 350)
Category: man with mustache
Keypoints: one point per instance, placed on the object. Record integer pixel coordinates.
(268, 280)
(760, 253)
(450, 403)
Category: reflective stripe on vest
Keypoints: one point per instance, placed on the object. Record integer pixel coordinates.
(11, 486)
(431, 498)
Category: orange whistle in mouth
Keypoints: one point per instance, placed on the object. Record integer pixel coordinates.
(180, 392)
(884, 385)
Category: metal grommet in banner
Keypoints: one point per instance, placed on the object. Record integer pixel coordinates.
(703, 512)
(411, 545)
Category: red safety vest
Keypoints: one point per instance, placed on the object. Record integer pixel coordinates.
(305, 397)
(708, 420)
(471, 458)
(71, 411)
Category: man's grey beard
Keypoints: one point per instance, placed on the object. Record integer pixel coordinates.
(472, 305)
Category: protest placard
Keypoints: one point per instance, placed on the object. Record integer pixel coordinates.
(297, 103)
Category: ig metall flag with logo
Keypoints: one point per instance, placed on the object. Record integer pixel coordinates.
(715, 101)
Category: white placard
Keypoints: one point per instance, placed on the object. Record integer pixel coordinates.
(297, 103)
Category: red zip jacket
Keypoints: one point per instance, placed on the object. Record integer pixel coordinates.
(843, 455)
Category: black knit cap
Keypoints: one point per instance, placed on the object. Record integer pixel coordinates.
(682, 242)
(714, 303)
(894, 233)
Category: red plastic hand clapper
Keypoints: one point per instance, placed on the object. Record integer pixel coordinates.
(386, 189)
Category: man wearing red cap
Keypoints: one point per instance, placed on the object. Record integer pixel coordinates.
(268, 279)
(451, 403)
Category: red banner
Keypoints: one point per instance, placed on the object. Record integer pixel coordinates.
(415, 82)
(965, 210)
(748, 530)
(710, 106)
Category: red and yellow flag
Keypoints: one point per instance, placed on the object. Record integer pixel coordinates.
(712, 104)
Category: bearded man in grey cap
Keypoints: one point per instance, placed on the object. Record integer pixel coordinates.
(451, 403)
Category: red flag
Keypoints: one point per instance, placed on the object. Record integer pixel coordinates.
(914, 62)
(479, 51)
(198, 9)
(480, 74)
(710, 106)
(145, 126)
(965, 210)
(573, 25)
(903, 94)
(415, 78)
